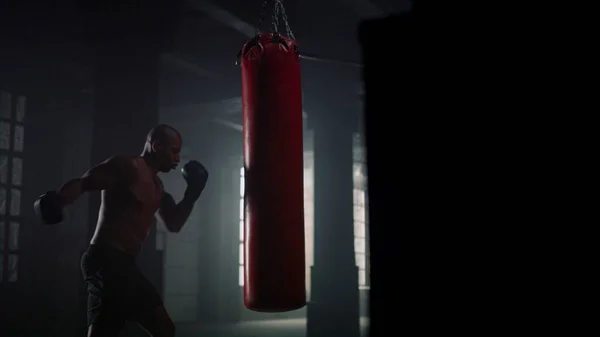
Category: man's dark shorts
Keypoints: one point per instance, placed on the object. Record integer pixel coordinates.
(117, 290)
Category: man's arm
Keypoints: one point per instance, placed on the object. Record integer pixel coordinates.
(114, 171)
(174, 215)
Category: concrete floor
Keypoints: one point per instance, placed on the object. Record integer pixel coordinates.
(269, 328)
(266, 328)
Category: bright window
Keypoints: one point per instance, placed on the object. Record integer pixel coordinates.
(308, 219)
(361, 238)
(361, 247)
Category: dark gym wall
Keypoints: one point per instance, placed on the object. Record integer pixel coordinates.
(48, 268)
(194, 120)
(215, 219)
(56, 102)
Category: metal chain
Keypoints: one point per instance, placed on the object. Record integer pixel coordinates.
(278, 10)
(263, 11)
(275, 17)
(285, 21)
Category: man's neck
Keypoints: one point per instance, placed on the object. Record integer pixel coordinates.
(149, 164)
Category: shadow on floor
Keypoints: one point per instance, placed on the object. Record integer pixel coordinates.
(268, 328)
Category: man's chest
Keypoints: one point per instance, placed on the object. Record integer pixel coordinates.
(148, 191)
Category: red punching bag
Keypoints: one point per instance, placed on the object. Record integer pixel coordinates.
(273, 160)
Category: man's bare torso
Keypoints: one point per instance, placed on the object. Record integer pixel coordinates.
(126, 212)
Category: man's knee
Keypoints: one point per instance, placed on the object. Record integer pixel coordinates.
(159, 324)
(169, 329)
(166, 326)
(96, 330)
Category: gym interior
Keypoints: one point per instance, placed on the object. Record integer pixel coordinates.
(82, 81)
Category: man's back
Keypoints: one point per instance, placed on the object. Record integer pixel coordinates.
(128, 208)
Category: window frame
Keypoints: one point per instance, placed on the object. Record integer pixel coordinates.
(15, 119)
(359, 164)
(241, 274)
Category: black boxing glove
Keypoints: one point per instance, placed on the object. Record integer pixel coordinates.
(196, 175)
(49, 208)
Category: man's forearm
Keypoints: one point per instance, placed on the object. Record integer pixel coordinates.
(182, 212)
(70, 191)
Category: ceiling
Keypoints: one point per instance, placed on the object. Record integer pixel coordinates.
(208, 36)
(210, 33)
(323, 28)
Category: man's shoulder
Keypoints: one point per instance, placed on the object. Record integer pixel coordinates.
(124, 164)
(123, 160)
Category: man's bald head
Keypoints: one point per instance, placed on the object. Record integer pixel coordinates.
(163, 147)
(164, 134)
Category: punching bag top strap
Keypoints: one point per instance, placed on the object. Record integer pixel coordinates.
(249, 45)
(276, 37)
(278, 10)
(258, 40)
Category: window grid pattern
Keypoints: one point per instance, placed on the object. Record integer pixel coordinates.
(361, 241)
(241, 231)
(12, 133)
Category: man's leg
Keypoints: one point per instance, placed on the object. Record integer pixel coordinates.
(148, 309)
(106, 317)
(157, 322)
(106, 309)
(102, 330)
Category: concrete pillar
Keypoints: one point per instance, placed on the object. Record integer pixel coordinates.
(333, 309)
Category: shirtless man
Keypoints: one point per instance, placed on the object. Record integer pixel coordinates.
(131, 195)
